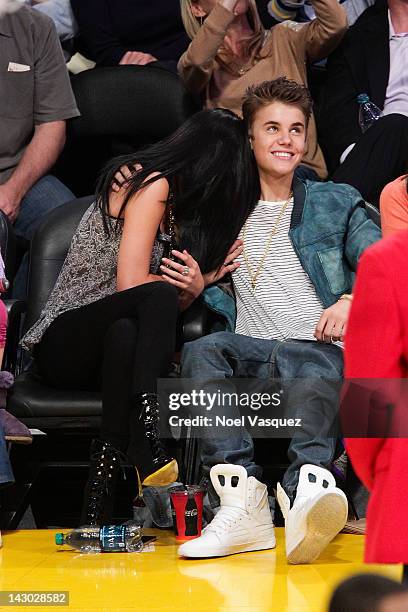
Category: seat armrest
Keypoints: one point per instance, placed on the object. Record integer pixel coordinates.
(194, 321)
(15, 307)
(15, 311)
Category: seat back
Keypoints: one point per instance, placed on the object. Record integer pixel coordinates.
(123, 108)
(140, 103)
(49, 248)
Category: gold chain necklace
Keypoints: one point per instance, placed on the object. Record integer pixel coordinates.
(253, 276)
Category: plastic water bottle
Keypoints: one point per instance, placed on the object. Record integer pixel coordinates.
(368, 112)
(110, 538)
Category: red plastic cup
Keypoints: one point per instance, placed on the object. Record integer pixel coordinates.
(187, 511)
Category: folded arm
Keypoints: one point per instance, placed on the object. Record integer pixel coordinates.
(95, 25)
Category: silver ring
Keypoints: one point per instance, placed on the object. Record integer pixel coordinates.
(185, 271)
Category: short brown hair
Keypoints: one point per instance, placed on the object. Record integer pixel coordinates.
(280, 90)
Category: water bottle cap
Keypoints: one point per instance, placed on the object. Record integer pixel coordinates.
(363, 98)
(59, 538)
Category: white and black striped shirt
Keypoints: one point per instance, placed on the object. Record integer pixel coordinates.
(284, 303)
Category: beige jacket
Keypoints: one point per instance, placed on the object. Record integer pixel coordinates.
(287, 47)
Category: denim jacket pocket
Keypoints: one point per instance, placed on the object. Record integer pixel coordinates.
(334, 269)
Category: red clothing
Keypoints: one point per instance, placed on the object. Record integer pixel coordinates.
(394, 207)
(377, 347)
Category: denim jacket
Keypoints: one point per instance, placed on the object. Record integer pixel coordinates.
(329, 231)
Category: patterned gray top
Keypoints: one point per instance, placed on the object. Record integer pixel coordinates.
(89, 271)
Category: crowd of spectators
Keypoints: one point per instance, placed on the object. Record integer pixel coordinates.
(372, 59)
(113, 32)
(220, 48)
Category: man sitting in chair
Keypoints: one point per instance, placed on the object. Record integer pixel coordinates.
(301, 246)
(36, 100)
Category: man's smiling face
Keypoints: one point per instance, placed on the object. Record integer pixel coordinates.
(278, 134)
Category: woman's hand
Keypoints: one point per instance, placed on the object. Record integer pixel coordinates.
(229, 264)
(229, 4)
(186, 277)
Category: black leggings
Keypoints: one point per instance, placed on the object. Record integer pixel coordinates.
(120, 344)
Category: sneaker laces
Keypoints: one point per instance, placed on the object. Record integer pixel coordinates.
(224, 519)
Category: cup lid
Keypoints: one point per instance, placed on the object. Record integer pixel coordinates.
(178, 490)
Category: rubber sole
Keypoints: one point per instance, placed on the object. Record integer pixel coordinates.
(324, 521)
(225, 551)
(19, 439)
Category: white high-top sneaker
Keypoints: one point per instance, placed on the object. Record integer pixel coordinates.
(318, 513)
(243, 522)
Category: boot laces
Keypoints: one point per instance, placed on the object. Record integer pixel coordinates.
(225, 518)
(150, 415)
(107, 461)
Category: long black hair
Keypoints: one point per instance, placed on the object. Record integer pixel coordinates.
(213, 179)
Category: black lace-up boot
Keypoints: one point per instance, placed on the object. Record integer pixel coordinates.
(105, 467)
(147, 450)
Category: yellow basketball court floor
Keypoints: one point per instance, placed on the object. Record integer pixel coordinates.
(158, 580)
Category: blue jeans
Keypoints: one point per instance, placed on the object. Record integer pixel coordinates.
(6, 474)
(157, 511)
(225, 355)
(45, 195)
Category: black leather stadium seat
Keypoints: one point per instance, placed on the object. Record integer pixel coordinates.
(123, 108)
(35, 403)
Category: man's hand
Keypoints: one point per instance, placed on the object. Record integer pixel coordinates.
(333, 322)
(137, 58)
(40, 155)
(122, 177)
(9, 202)
(229, 264)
